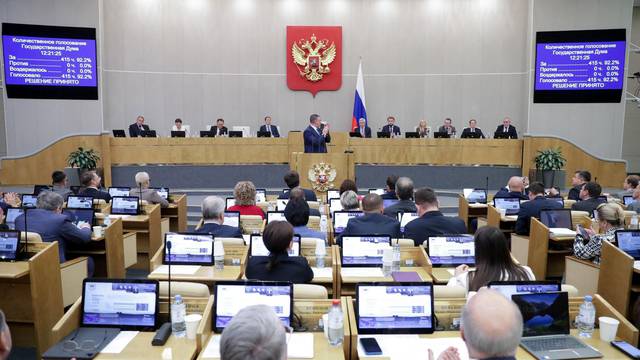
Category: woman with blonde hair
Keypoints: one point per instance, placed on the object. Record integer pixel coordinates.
(610, 217)
(422, 129)
(245, 194)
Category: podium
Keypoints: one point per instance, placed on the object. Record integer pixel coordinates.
(322, 172)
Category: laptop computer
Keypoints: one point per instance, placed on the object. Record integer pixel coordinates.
(275, 216)
(80, 202)
(627, 200)
(511, 205)
(412, 135)
(334, 205)
(405, 217)
(232, 296)
(29, 200)
(148, 133)
(119, 191)
(235, 134)
(38, 188)
(261, 195)
(229, 202)
(119, 133)
(333, 194)
(178, 133)
(9, 245)
(281, 204)
(629, 242)
(263, 134)
(441, 135)
(125, 205)
(364, 250)
(378, 191)
(395, 308)
(341, 218)
(545, 332)
(80, 216)
(475, 195)
(207, 134)
(448, 251)
(558, 221)
(12, 214)
(508, 288)
(232, 218)
(162, 191)
(188, 249)
(257, 247)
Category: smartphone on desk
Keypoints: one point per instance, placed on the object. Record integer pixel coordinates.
(629, 350)
(370, 346)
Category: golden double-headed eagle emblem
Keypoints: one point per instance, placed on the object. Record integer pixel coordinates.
(314, 56)
(321, 176)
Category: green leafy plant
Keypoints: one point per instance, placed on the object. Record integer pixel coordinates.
(550, 159)
(83, 159)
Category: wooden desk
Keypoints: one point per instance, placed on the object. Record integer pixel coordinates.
(467, 211)
(329, 262)
(176, 213)
(505, 223)
(148, 234)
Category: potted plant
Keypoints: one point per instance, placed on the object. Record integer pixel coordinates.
(549, 161)
(80, 161)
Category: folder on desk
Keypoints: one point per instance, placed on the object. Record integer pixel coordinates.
(405, 276)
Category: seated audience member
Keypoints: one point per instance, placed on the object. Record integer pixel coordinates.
(279, 266)
(138, 127)
(362, 128)
(271, 129)
(431, 221)
(372, 222)
(447, 127)
(532, 208)
(245, 195)
(297, 214)
(149, 195)
(91, 182)
(629, 185)
(404, 191)
(179, 127)
(349, 201)
(219, 129)
(5, 338)
(589, 198)
(298, 193)
(635, 205)
(554, 193)
(493, 262)
(422, 129)
(579, 178)
(213, 219)
(472, 129)
(256, 333)
(60, 184)
(292, 179)
(348, 184)
(507, 129)
(610, 219)
(390, 190)
(391, 128)
(514, 189)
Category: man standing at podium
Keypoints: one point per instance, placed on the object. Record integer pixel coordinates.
(316, 135)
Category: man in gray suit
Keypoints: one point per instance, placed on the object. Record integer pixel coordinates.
(60, 184)
(635, 205)
(143, 192)
(447, 127)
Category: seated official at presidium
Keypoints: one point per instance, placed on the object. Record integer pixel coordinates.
(362, 129)
(316, 136)
(268, 128)
(138, 127)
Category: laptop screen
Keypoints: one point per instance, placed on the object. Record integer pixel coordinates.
(261, 195)
(560, 218)
(275, 216)
(341, 219)
(162, 191)
(405, 218)
(388, 202)
(231, 297)
(543, 313)
(119, 191)
(80, 202)
(364, 250)
(79, 216)
(257, 247)
(125, 304)
(629, 242)
(335, 205)
(281, 204)
(475, 195)
(627, 200)
(511, 205)
(189, 249)
(12, 214)
(333, 194)
(452, 250)
(230, 202)
(29, 200)
(394, 308)
(508, 288)
(9, 244)
(125, 205)
(232, 218)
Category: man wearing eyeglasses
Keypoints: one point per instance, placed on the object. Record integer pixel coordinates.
(255, 332)
(5, 338)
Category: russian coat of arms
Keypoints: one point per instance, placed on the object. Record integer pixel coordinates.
(321, 176)
(314, 56)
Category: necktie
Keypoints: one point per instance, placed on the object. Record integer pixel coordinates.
(506, 129)
(269, 128)
(473, 130)
(361, 132)
(390, 128)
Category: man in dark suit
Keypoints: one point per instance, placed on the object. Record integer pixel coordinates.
(391, 128)
(138, 127)
(404, 190)
(514, 189)
(219, 129)
(472, 130)
(91, 182)
(589, 195)
(532, 208)
(507, 129)
(579, 178)
(292, 179)
(390, 190)
(447, 127)
(363, 129)
(431, 221)
(372, 222)
(316, 135)
(267, 127)
(213, 219)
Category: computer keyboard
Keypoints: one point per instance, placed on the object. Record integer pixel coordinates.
(558, 343)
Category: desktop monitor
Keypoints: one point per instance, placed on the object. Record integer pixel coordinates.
(559, 218)
(9, 245)
(341, 219)
(230, 201)
(258, 248)
(162, 191)
(510, 205)
(364, 250)
(188, 249)
(80, 202)
(80, 216)
(29, 200)
(232, 218)
(544, 313)
(119, 191)
(441, 135)
(451, 250)
(281, 204)
(12, 214)
(335, 205)
(333, 194)
(261, 195)
(629, 242)
(178, 134)
(275, 216)
(475, 195)
(125, 205)
(627, 200)
(405, 217)
(119, 133)
(148, 133)
(378, 191)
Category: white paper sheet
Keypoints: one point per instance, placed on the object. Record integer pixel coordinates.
(213, 348)
(409, 347)
(119, 342)
(177, 269)
(562, 232)
(325, 272)
(362, 272)
(300, 346)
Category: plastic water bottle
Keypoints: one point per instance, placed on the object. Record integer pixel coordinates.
(395, 265)
(387, 262)
(321, 251)
(633, 224)
(586, 318)
(178, 312)
(336, 324)
(218, 255)
(323, 223)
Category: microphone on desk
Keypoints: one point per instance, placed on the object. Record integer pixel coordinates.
(487, 183)
(163, 333)
(26, 240)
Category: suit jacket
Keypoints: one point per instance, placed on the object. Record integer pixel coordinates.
(223, 131)
(505, 193)
(433, 223)
(314, 142)
(62, 191)
(452, 130)
(54, 227)
(97, 194)
(531, 209)
(220, 230)
(574, 193)
(274, 130)
(391, 129)
(367, 131)
(467, 131)
(289, 268)
(134, 131)
(151, 196)
(425, 133)
(389, 195)
(511, 131)
(309, 195)
(371, 223)
(634, 206)
(586, 205)
(401, 205)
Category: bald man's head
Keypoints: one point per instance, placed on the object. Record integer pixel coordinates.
(491, 325)
(516, 184)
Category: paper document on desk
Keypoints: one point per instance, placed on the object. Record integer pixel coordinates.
(177, 269)
(115, 216)
(511, 217)
(361, 272)
(119, 342)
(325, 272)
(300, 346)
(562, 232)
(477, 205)
(409, 347)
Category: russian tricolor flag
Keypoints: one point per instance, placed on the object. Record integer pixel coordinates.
(359, 107)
